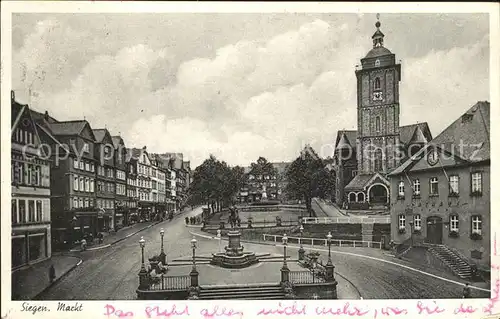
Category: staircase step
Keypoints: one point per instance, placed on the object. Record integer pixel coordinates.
(244, 297)
(239, 292)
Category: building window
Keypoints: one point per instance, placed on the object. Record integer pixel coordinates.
(87, 167)
(31, 211)
(433, 186)
(75, 202)
(92, 167)
(82, 184)
(75, 163)
(87, 185)
(39, 211)
(376, 85)
(86, 147)
(377, 124)
(378, 160)
(476, 224)
(476, 183)
(75, 183)
(80, 202)
(91, 185)
(13, 211)
(82, 166)
(401, 189)
(416, 187)
(454, 223)
(454, 185)
(417, 222)
(402, 221)
(72, 141)
(377, 63)
(22, 211)
(86, 202)
(352, 197)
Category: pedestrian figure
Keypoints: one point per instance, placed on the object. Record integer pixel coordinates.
(52, 274)
(186, 219)
(466, 293)
(100, 236)
(84, 244)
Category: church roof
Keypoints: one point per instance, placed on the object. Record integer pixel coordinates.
(343, 143)
(418, 137)
(359, 181)
(376, 52)
(407, 132)
(349, 135)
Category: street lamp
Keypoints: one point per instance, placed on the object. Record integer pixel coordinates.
(329, 241)
(285, 242)
(193, 246)
(163, 256)
(301, 249)
(142, 243)
(329, 268)
(194, 273)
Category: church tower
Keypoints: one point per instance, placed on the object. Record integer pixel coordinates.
(378, 108)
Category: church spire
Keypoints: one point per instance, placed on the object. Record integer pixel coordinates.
(378, 36)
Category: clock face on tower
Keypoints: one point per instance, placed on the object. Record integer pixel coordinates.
(377, 96)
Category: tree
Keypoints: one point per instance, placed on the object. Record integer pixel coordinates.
(262, 167)
(307, 177)
(215, 183)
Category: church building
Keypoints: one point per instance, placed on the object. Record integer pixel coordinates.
(364, 157)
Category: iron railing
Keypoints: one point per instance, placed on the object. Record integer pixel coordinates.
(304, 277)
(324, 241)
(163, 282)
(346, 220)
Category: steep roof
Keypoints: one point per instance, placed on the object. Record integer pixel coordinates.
(343, 143)
(406, 132)
(468, 137)
(116, 140)
(99, 134)
(472, 129)
(16, 111)
(349, 135)
(68, 127)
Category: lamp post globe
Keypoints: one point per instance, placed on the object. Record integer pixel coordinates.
(142, 243)
(329, 241)
(163, 256)
(285, 242)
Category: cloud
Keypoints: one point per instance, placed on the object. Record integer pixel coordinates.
(266, 97)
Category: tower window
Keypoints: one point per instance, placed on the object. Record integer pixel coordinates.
(376, 84)
(377, 124)
(378, 160)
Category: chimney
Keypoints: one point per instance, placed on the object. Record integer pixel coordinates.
(46, 116)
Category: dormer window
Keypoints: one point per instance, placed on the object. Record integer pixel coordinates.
(377, 63)
(376, 84)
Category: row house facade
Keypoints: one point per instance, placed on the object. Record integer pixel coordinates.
(121, 196)
(105, 179)
(30, 210)
(442, 194)
(73, 178)
(132, 188)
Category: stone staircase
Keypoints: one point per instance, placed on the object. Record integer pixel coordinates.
(260, 292)
(452, 260)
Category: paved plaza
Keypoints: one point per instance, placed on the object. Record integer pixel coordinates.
(112, 273)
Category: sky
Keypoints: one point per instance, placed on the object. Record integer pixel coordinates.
(240, 86)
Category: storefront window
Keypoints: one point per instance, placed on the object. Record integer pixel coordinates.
(37, 246)
(18, 251)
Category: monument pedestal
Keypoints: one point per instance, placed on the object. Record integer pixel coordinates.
(234, 257)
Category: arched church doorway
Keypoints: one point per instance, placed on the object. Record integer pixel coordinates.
(378, 194)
